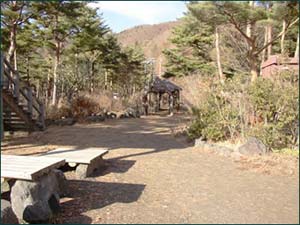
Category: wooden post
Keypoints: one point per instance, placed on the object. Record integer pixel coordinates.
(171, 104)
(156, 102)
(159, 100)
(16, 79)
(178, 100)
(1, 98)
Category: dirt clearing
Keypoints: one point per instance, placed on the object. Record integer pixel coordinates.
(152, 177)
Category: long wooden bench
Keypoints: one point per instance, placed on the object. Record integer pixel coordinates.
(85, 160)
(27, 167)
(33, 183)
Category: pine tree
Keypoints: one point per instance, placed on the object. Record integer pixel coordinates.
(207, 12)
(13, 15)
(239, 15)
(58, 22)
(193, 40)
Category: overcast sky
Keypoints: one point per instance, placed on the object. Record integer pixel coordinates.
(120, 15)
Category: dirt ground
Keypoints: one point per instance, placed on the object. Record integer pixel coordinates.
(153, 177)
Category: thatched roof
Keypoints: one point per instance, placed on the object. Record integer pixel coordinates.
(163, 86)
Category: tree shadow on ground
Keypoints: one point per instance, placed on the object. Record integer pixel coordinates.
(88, 195)
(113, 166)
(136, 136)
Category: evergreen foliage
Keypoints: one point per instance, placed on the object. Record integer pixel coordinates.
(64, 47)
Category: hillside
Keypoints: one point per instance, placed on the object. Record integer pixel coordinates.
(152, 38)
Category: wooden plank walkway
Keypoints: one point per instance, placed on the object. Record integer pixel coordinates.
(27, 167)
(78, 156)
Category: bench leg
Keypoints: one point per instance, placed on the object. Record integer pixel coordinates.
(85, 170)
(36, 201)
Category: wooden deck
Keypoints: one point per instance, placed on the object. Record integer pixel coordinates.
(78, 156)
(27, 167)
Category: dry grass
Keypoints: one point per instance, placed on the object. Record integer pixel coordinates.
(87, 104)
(195, 88)
(275, 164)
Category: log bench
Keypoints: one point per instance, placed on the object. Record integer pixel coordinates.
(35, 186)
(85, 160)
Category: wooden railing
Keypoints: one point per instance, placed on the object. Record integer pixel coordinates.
(22, 92)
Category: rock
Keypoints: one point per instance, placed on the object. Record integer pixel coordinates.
(7, 214)
(82, 171)
(222, 150)
(4, 186)
(199, 142)
(36, 202)
(236, 155)
(95, 118)
(49, 122)
(124, 115)
(85, 170)
(62, 183)
(65, 122)
(131, 112)
(253, 146)
(110, 115)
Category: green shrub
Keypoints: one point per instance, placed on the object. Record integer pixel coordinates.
(216, 119)
(226, 111)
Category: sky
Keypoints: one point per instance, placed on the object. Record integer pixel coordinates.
(120, 15)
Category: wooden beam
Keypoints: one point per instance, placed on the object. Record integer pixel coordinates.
(11, 102)
(1, 99)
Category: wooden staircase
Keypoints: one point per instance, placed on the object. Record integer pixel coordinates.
(20, 109)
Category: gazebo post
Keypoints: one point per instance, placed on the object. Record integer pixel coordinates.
(178, 100)
(159, 100)
(171, 103)
(156, 102)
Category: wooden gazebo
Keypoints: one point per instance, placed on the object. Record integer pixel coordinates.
(158, 87)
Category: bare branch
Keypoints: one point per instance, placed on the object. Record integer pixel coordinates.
(25, 19)
(2, 21)
(20, 13)
(232, 21)
(277, 37)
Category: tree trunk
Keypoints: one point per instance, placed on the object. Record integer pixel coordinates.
(12, 40)
(297, 47)
(249, 25)
(37, 94)
(15, 60)
(269, 49)
(27, 69)
(105, 80)
(263, 56)
(56, 63)
(48, 88)
(253, 68)
(221, 76)
(283, 37)
(92, 77)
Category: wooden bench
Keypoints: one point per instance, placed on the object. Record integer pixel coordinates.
(85, 160)
(27, 167)
(33, 183)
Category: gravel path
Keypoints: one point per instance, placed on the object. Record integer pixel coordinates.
(151, 177)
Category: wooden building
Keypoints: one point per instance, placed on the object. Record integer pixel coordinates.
(277, 63)
(160, 87)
